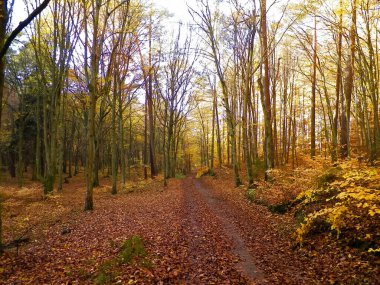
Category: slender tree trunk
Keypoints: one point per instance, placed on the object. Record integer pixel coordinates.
(121, 140)
(285, 113)
(274, 108)
(92, 80)
(213, 136)
(20, 144)
(265, 91)
(338, 84)
(247, 153)
(227, 145)
(38, 138)
(89, 204)
(232, 136)
(49, 178)
(294, 137)
(3, 31)
(153, 171)
(218, 137)
(169, 146)
(348, 88)
(71, 147)
(145, 150)
(61, 149)
(313, 91)
(130, 154)
(113, 139)
(97, 155)
(164, 143)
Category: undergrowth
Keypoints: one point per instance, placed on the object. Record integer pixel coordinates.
(205, 171)
(180, 175)
(345, 203)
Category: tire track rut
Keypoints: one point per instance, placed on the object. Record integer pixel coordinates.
(204, 209)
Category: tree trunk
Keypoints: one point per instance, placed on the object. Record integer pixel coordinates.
(247, 153)
(89, 204)
(121, 140)
(96, 157)
(218, 138)
(274, 108)
(213, 135)
(338, 84)
(153, 171)
(113, 139)
(145, 149)
(348, 89)
(313, 91)
(20, 144)
(61, 145)
(265, 92)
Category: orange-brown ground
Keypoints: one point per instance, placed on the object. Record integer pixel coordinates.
(194, 231)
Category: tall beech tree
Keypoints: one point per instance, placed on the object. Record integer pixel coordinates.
(348, 86)
(265, 89)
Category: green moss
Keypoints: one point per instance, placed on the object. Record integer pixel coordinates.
(132, 248)
(180, 176)
(251, 195)
(106, 275)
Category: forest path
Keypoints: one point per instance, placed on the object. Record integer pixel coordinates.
(200, 199)
(195, 231)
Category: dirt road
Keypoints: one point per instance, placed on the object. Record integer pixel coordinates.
(248, 231)
(195, 231)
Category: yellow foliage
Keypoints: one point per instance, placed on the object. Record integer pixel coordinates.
(374, 250)
(351, 203)
(336, 218)
(307, 196)
(202, 171)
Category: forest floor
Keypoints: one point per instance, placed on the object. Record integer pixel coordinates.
(194, 231)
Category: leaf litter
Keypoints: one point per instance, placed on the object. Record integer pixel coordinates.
(193, 232)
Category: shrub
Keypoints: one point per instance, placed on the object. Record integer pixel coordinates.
(180, 176)
(328, 176)
(347, 200)
(205, 171)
